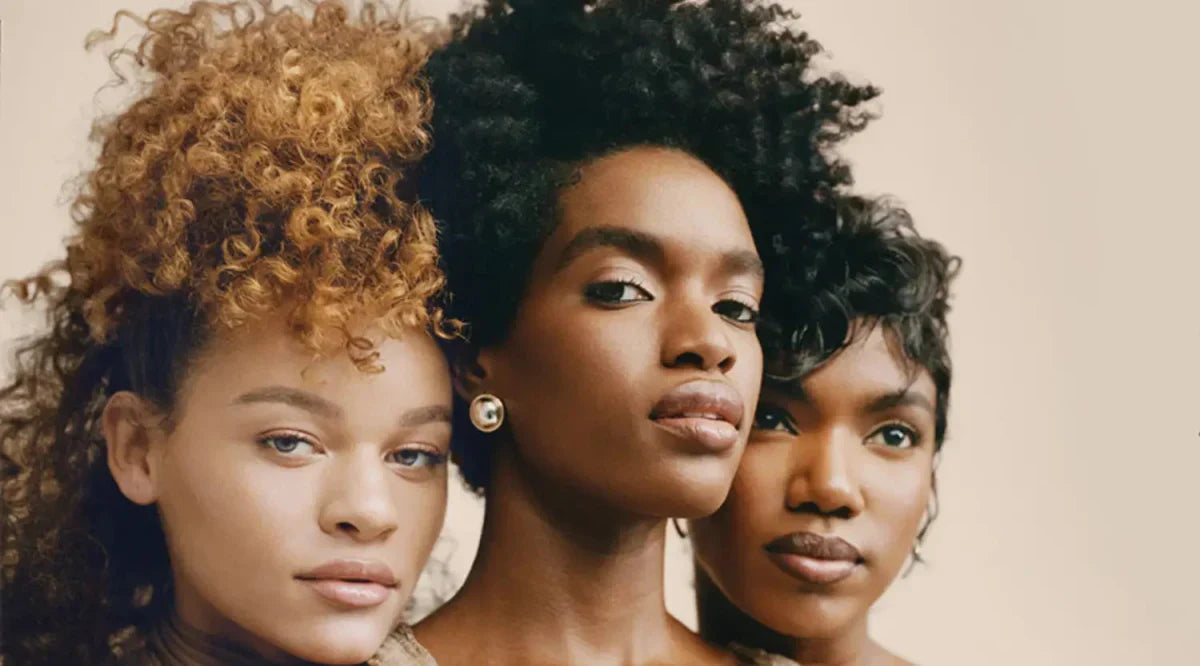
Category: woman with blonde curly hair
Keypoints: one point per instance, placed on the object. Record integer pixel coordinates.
(229, 445)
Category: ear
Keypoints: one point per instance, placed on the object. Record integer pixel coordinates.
(129, 434)
(472, 373)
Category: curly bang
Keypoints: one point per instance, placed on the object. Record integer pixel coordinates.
(528, 91)
(872, 269)
(260, 170)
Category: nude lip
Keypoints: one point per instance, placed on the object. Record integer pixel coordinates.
(351, 583)
(702, 411)
(813, 558)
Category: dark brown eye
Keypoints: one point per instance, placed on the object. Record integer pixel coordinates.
(772, 418)
(736, 311)
(616, 292)
(894, 437)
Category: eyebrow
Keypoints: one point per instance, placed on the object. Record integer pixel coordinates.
(742, 262)
(638, 244)
(290, 396)
(427, 414)
(646, 247)
(901, 398)
(317, 405)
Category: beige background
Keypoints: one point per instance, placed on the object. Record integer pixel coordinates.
(1052, 145)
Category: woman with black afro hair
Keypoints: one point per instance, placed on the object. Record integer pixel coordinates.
(613, 179)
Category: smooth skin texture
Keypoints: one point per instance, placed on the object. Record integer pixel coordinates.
(649, 281)
(852, 457)
(275, 463)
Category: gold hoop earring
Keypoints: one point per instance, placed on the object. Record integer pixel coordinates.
(487, 412)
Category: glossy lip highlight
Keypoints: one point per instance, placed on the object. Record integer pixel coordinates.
(706, 412)
(813, 558)
(351, 583)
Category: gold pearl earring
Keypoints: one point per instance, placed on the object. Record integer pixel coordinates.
(487, 412)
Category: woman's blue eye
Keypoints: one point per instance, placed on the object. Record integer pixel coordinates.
(616, 292)
(769, 417)
(736, 311)
(417, 458)
(287, 444)
(894, 437)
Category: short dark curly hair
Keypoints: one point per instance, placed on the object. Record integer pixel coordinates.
(871, 267)
(528, 90)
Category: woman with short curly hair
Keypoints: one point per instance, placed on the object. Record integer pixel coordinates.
(609, 175)
(836, 489)
(229, 446)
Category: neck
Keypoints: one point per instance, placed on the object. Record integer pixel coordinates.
(563, 579)
(723, 623)
(175, 642)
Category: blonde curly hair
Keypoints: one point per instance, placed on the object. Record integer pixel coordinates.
(264, 168)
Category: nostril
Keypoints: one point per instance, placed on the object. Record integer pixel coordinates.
(347, 527)
(687, 359)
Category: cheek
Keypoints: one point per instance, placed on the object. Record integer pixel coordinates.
(221, 500)
(579, 374)
(424, 511)
(747, 519)
(747, 374)
(899, 499)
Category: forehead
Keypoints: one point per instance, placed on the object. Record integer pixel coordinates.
(267, 353)
(872, 363)
(656, 190)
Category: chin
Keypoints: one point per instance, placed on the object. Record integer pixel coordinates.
(693, 488)
(339, 641)
(812, 616)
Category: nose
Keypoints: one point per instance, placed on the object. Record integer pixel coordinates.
(358, 500)
(823, 479)
(697, 337)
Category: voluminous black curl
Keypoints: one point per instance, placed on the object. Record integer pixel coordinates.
(529, 90)
(873, 268)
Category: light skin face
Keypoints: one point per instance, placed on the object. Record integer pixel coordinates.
(276, 463)
(851, 458)
(650, 280)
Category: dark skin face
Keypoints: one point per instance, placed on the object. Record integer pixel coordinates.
(851, 457)
(649, 281)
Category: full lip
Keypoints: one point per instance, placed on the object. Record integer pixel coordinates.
(706, 412)
(814, 558)
(351, 583)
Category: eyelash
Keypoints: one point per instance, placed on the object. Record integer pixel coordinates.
(593, 294)
(433, 458)
(266, 441)
(914, 437)
(785, 419)
(748, 307)
(788, 424)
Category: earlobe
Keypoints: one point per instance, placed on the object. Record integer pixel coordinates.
(128, 438)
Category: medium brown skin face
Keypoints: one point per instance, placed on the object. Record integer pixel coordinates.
(852, 458)
(651, 280)
(278, 464)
